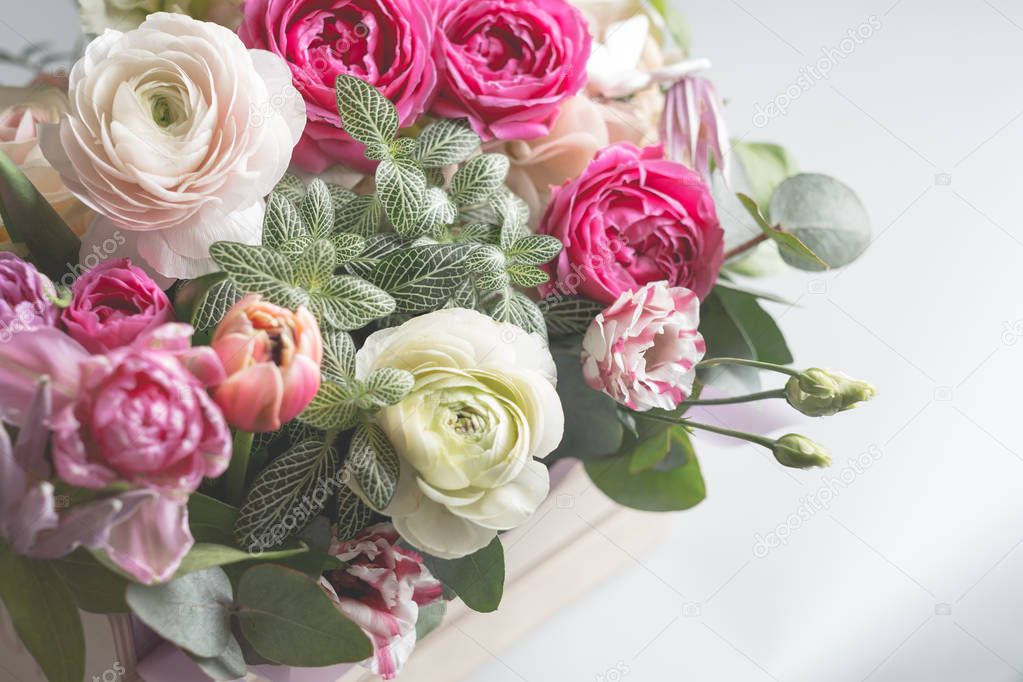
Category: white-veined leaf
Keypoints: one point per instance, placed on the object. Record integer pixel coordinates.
(492, 281)
(361, 215)
(388, 385)
(377, 248)
(478, 180)
(214, 304)
(347, 246)
(485, 259)
(291, 187)
(316, 265)
(527, 276)
(569, 316)
(281, 223)
(317, 210)
(420, 278)
(352, 515)
(258, 270)
(348, 302)
(535, 249)
(333, 407)
(338, 356)
(401, 186)
(518, 309)
(366, 114)
(373, 464)
(446, 142)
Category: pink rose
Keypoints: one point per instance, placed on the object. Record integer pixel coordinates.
(642, 350)
(387, 43)
(113, 304)
(272, 358)
(381, 589)
(508, 65)
(632, 218)
(25, 297)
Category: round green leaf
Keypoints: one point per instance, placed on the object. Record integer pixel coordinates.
(478, 579)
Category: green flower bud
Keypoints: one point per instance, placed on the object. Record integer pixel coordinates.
(800, 452)
(820, 393)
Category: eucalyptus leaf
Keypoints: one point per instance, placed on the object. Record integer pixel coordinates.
(229, 665)
(790, 246)
(204, 555)
(430, 618)
(765, 166)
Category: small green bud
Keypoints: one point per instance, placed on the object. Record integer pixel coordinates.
(800, 452)
(820, 393)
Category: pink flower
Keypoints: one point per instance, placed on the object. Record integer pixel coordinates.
(642, 350)
(631, 218)
(272, 357)
(508, 65)
(113, 304)
(387, 43)
(25, 297)
(381, 589)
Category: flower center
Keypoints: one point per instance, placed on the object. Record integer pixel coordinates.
(467, 422)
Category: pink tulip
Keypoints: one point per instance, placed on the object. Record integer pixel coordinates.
(272, 358)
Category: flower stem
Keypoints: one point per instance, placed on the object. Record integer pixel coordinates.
(239, 467)
(733, 400)
(770, 366)
(745, 246)
(720, 430)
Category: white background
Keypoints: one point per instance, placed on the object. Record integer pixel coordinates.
(913, 571)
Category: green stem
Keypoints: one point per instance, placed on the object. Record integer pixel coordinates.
(770, 366)
(239, 467)
(741, 435)
(762, 395)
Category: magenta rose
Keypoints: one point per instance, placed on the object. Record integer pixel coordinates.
(113, 304)
(642, 351)
(387, 43)
(508, 65)
(25, 297)
(632, 218)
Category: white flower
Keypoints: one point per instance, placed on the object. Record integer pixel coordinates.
(176, 133)
(483, 407)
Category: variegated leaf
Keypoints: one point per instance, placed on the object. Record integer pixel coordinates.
(388, 385)
(316, 266)
(334, 406)
(291, 188)
(420, 278)
(518, 309)
(446, 142)
(348, 302)
(317, 210)
(377, 248)
(480, 233)
(352, 515)
(373, 464)
(338, 356)
(258, 270)
(404, 148)
(214, 304)
(439, 209)
(360, 216)
(527, 276)
(401, 186)
(569, 316)
(366, 114)
(339, 196)
(513, 215)
(347, 246)
(478, 180)
(492, 281)
(485, 259)
(535, 249)
(281, 223)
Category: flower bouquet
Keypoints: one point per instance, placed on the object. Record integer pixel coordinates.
(298, 309)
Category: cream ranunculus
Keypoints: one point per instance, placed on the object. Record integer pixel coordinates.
(176, 133)
(483, 407)
(124, 15)
(21, 112)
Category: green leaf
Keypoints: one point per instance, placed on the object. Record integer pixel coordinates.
(446, 142)
(520, 310)
(347, 246)
(340, 196)
(652, 489)
(478, 180)
(677, 26)
(569, 316)
(352, 515)
(347, 302)
(535, 249)
(43, 612)
(287, 495)
(214, 304)
(193, 611)
(404, 147)
(420, 278)
(258, 270)
(513, 214)
(480, 233)
(389, 386)
(825, 215)
(316, 266)
(97, 589)
(281, 224)
(333, 407)
(651, 447)
(592, 428)
(790, 246)
(765, 166)
(438, 208)
(291, 188)
(205, 555)
(527, 276)
(373, 463)
(211, 520)
(289, 619)
(378, 247)
(317, 210)
(338, 356)
(366, 114)
(229, 665)
(485, 259)
(493, 281)
(478, 579)
(361, 215)
(401, 188)
(430, 618)
(29, 219)
(464, 295)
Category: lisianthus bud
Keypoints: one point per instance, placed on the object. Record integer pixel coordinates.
(821, 393)
(272, 357)
(800, 452)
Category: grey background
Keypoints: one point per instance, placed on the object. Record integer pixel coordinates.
(912, 572)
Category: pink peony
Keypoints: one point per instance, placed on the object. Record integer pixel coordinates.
(113, 304)
(508, 65)
(642, 350)
(272, 357)
(25, 297)
(632, 218)
(381, 589)
(387, 43)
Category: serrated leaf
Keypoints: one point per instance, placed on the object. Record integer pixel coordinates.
(352, 515)
(333, 407)
(518, 309)
(492, 281)
(366, 115)
(478, 180)
(446, 142)
(361, 215)
(485, 259)
(373, 463)
(535, 249)
(258, 270)
(401, 186)
(317, 210)
(214, 304)
(569, 316)
(316, 266)
(281, 223)
(287, 495)
(388, 386)
(338, 356)
(291, 188)
(420, 278)
(347, 302)
(347, 246)
(527, 276)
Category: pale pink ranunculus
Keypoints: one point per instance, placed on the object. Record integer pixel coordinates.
(176, 133)
(509, 65)
(113, 304)
(631, 218)
(643, 349)
(272, 357)
(387, 43)
(381, 588)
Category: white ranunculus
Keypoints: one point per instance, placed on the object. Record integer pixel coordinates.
(483, 407)
(176, 133)
(124, 15)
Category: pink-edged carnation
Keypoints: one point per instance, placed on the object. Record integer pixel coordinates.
(387, 43)
(381, 588)
(508, 65)
(632, 218)
(25, 297)
(642, 351)
(113, 304)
